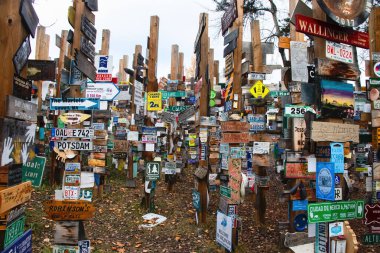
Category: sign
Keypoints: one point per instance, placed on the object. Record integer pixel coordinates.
(152, 171)
(74, 104)
(347, 12)
(14, 230)
(14, 196)
(235, 138)
(333, 211)
(65, 249)
(336, 229)
(261, 147)
(371, 239)
(235, 126)
(338, 193)
(196, 200)
(20, 109)
(183, 116)
(376, 69)
(225, 191)
(22, 88)
(326, 131)
(84, 246)
(34, 170)
(74, 210)
(172, 94)
(154, 101)
(337, 156)
(331, 32)
(299, 205)
(321, 237)
(74, 145)
(22, 54)
(229, 64)
(102, 91)
(325, 181)
(278, 93)
(256, 76)
(71, 192)
(259, 90)
(84, 65)
(372, 214)
(337, 69)
(73, 118)
(298, 238)
(299, 61)
(297, 111)
(88, 29)
(298, 170)
(120, 146)
(103, 77)
(87, 48)
(229, 16)
(224, 225)
(339, 52)
(29, 16)
(72, 133)
(72, 167)
(41, 70)
(24, 243)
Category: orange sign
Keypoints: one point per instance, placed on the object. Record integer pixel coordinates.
(235, 138)
(14, 196)
(235, 126)
(65, 210)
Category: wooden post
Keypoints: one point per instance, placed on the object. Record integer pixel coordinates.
(211, 67)
(180, 67)
(319, 43)
(216, 71)
(123, 63)
(153, 53)
(106, 35)
(256, 47)
(42, 53)
(294, 36)
(203, 106)
(174, 63)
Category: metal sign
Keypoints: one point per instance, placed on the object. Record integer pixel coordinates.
(339, 52)
(297, 111)
(371, 239)
(73, 118)
(337, 156)
(88, 29)
(152, 171)
(14, 230)
(154, 101)
(74, 104)
(259, 90)
(85, 66)
(84, 246)
(20, 109)
(29, 16)
(325, 181)
(196, 200)
(41, 70)
(172, 94)
(299, 61)
(72, 133)
(23, 244)
(34, 170)
(224, 226)
(22, 54)
(333, 211)
(102, 91)
(256, 76)
(74, 145)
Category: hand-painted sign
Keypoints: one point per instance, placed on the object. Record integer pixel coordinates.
(337, 156)
(14, 196)
(74, 145)
(235, 138)
(41, 70)
(229, 16)
(22, 54)
(235, 126)
(339, 52)
(154, 101)
(74, 104)
(22, 88)
(72, 133)
(331, 32)
(333, 211)
(337, 69)
(325, 181)
(14, 230)
(152, 171)
(24, 243)
(61, 210)
(297, 170)
(73, 118)
(326, 131)
(371, 214)
(224, 226)
(20, 109)
(102, 91)
(259, 90)
(34, 170)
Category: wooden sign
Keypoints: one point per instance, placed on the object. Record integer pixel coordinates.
(88, 29)
(297, 170)
(74, 145)
(183, 116)
(235, 138)
(10, 175)
(120, 146)
(229, 16)
(202, 25)
(296, 239)
(229, 65)
(29, 16)
(20, 109)
(22, 88)
(73, 210)
(235, 178)
(41, 70)
(73, 118)
(347, 12)
(14, 196)
(337, 69)
(331, 32)
(372, 214)
(92, 4)
(22, 54)
(72, 133)
(99, 142)
(85, 66)
(326, 131)
(87, 48)
(68, 232)
(235, 126)
(264, 137)
(230, 48)
(233, 35)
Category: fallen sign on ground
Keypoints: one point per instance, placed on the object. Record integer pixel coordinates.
(62, 210)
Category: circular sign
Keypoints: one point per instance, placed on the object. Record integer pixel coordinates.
(324, 181)
(349, 13)
(300, 222)
(376, 69)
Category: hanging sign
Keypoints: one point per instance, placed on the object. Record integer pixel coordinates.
(337, 156)
(154, 101)
(333, 211)
(325, 181)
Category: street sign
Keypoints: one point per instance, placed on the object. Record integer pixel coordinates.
(154, 101)
(73, 118)
(333, 211)
(172, 94)
(103, 78)
(23, 244)
(325, 181)
(34, 170)
(297, 111)
(152, 171)
(259, 90)
(74, 145)
(102, 91)
(74, 104)
(72, 133)
(371, 239)
(14, 230)
(339, 52)
(225, 191)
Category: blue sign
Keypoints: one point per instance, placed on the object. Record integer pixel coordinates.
(22, 245)
(300, 205)
(337, 180)
(84, 246)
(325, 182)
(337, 156)
(228, 106)
(74, 104)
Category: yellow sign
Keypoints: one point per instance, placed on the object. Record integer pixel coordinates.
(73, 118)
(259, 90)
(154, 101)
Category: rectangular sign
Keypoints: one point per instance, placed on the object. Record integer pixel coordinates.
(154, 101)
(224, 226)
(72, 133)
(225, 191)
(22, 245)
(299, 61)
(298, 170)
(299, 205)
(337, 156)
(20, 109)
(297, 111)
(235, 126)
(337, 69)
(34, 170)
(325, 181)
(152, 171)
(339, 52)
(61, 210)
(22, 54)
(74, 145)
(331, 32)
(22, 88)
(102, 91)
(14, 196)
(41, 70)
(172, 94)
(14, 230)
(333, 211)
(74, 104)
(371, 239)
(326, 131)
(235, 138)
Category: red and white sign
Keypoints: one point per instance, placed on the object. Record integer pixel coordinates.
(103, 78)
(102, 91)
(339, 52)
(71, 192)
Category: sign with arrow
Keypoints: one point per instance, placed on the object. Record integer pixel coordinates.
(333, 211)
(102, 91)
(74, 104)
(152, 171)
(259, 90)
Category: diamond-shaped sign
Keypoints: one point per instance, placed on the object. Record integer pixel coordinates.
(259, 90)
(152, 171)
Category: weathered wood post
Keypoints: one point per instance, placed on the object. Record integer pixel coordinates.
(174, 62)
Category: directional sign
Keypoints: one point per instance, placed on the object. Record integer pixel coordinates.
(73, 118)
(332, 211)
(102, 91)
(72, 133)
(152, 171)
(171, 94)
(259, 90)
(154, 101)
(74, 104)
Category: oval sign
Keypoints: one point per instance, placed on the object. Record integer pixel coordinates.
(348, 13)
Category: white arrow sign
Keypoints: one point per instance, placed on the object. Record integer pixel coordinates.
(102, 91)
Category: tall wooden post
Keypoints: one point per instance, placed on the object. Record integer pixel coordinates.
(203, 106)
(181, 69)
(256, 47)
(106, 35)
(216, 72)
(319, 43)
(174, 63)
(294, 36)
(237, 55)
(42, 53)
(211, 67)
(123, 63)
(153, 53)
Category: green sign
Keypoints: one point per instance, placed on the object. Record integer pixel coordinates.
(14, 231)
(225, 191)
(110, 145)
(371, 239)
(297, 111)
(278, 93)
(152, 171)
(333, 211)
(34, 170)
(177, 108)
(173, 94)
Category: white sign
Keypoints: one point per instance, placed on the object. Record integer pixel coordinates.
(133, 136)
(138, 99)
(104, 64)
(87, 179)
(123, 95)
(71, 192)
(102, 91)
(299, 61)
(98, 126)
(261, 147)
(74, 145)
(224, 230)
(339, 52)
(72, 133)
(338, 194)
(256, 76)
(149, 139)
(336, 229)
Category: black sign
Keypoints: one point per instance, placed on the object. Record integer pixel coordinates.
(22, 88)
(229, 16)
(15, 174)
(231, 36)
(29, 16)
(22, 55)
(140, 60)
(88, 29)
(85, 66)
(39, 70)
(87, 48)
(230, 48)
(311, 71)
(92, 4)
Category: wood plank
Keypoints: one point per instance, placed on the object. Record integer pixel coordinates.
(238, 54)
(326, 131)
(66, 232)
(106, 36)
(174, 62)
(20, 109)
(235, 138)
(235, 126)
(337, 69)
(14, 196)
(69, 210)
(256, 47)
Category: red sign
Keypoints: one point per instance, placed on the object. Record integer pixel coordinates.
(103, 77)
(331, 32)
(372, 214)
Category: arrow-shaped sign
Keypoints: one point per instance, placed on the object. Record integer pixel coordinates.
(74, 104)
(102, 91)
